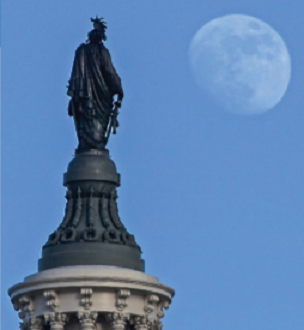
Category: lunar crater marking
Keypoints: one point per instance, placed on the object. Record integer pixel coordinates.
(241, 62)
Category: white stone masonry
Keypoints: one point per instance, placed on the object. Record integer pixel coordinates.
(90, 298)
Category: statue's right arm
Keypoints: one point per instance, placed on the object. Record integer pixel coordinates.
(76, 81)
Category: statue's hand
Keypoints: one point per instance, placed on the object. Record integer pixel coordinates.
(118, 101)
(117, 104)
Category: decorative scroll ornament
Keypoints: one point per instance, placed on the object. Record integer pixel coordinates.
(86, 294)
(91, 209)
(121, 299)
(114, 210)
(163, 304)
(26, 314)
(16, 305)
(117, 320)
(51, 299)
(150, 303)
(68, 210)
(78, 209)
(87, 320)
(26, 307)
(104, 210)
(85, 210)
(56, 320)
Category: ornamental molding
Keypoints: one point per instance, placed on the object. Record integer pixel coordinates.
(85, 300)
(52, 300)
(117, 320)
(122, 296)
(25, 305)
(72, 279)
(87, 320)
(141, 322)
(163, 304)
(150, 303)
(56, 320)
(32, 323)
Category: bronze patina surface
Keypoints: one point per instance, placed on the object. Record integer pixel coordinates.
(91, 231)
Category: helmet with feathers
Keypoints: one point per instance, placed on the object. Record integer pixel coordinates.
(98, 33)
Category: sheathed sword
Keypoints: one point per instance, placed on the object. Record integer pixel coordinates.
(113, 123)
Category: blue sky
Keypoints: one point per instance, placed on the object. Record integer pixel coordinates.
(215, 200)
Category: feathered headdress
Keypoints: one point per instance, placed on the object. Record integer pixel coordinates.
(99, 24)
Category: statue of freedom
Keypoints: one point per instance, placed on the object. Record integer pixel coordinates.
(92, 87)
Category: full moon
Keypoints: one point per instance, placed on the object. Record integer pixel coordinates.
(241, 63)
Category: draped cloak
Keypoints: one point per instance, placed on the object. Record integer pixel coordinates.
(92, 86)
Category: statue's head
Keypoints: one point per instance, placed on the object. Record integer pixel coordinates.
(98, 34)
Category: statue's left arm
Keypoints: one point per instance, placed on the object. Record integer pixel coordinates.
(111, 77)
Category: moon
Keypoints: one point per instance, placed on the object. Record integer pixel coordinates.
(241, 63)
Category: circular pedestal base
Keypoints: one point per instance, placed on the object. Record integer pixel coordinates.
(91, 231)
(90, 254)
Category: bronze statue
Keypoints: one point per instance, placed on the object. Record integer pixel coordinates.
(92, 87)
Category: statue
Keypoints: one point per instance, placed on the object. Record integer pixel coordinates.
(92, 88)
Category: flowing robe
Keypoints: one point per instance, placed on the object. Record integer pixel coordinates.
(92, 86)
